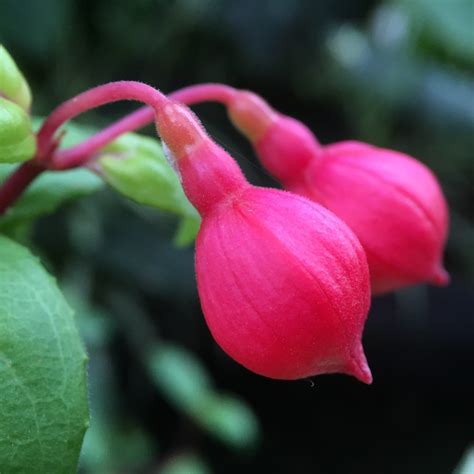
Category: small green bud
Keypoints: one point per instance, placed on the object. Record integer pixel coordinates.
(17, 140)
(136, 167)
(13, 85)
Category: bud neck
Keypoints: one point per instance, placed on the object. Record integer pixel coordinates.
(209, 175)
(251, 114)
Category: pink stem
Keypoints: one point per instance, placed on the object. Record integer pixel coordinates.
(95, 97)
(47, 155)
(20, 179)
(77, 155)
(16, 183)
(210, 92)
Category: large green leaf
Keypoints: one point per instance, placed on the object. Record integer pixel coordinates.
(43, 396)
(47, 193)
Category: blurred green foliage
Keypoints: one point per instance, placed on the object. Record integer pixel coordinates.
(466, 465)
(185, 464)
(46, 194)
(186, 384)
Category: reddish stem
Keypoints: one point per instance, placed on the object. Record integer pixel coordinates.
(17, 182)
(79, 154)
(20, 179)
(95, 97)
(48, 156)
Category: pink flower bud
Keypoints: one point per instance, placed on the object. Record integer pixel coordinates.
(283, 283)
(394, 205)
(392, 202)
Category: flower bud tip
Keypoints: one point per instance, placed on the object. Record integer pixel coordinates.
(441, 277)
(179, 128)
(359, 368)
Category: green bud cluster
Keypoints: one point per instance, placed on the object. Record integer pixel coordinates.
(17, 140)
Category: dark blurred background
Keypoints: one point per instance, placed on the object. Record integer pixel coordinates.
(399, 74)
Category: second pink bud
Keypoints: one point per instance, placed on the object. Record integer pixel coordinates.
(391, 201)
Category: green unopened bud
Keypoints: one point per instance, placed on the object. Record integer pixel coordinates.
(136, 167)
(17, 140)
(13, 85)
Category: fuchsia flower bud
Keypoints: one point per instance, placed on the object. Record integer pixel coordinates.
(283, 283)
(283, 144)
(391, 201)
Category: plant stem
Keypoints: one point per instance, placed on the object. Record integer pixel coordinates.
(95, 97)
(79, 154)
(17, 182)
(48, 157)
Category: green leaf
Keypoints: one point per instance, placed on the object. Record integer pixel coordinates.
(17, 140)
(43, 397)
(13, 85)
(47, 193)
(186, 384)
(136, 167)
(185, 464)
(114, 442)
(179, 374)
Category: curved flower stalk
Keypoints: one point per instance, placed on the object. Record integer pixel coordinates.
(283, 283)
